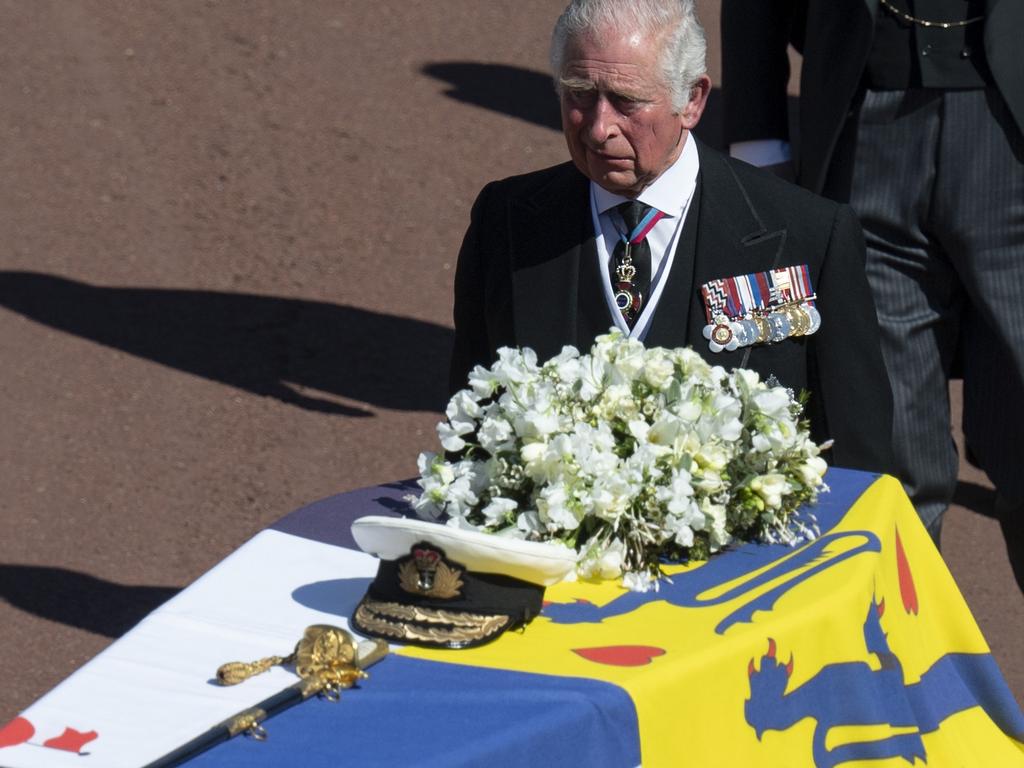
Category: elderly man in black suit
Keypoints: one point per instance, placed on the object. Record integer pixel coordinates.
(649, 230)
(912, 111)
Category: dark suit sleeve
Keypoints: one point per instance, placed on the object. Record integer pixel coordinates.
(755, 68)
(471, 346)
(851, 401)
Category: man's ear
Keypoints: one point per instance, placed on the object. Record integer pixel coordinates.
(694, 108)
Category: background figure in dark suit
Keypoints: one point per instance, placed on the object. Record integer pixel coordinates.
(539, 265)
(911, 111)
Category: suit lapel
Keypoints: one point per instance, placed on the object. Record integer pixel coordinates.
(593, 316)
(557, 293)
(669, 326)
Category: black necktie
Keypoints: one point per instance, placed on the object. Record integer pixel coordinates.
(631, 261)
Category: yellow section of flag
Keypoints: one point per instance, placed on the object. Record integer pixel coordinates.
(836, 651)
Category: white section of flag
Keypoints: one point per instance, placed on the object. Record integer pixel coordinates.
(150, 691)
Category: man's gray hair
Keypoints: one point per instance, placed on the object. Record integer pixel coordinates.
(684, 51)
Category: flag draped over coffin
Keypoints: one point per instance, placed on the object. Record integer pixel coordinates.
(855, 648)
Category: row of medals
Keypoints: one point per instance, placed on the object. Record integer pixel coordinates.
(765, 327)
(798, 318)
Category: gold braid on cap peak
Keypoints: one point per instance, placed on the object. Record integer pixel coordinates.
(458, 627)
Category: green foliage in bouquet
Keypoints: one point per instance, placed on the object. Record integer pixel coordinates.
(627, 455)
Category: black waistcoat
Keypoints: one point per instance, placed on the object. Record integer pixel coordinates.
(910, 55)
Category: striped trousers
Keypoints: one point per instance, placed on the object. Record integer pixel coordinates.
(937, 179)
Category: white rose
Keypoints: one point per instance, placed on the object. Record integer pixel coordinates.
(812, 470)
(658, 370)
(628, 363)
(770, 487)
(617, 403)
(710, 482)
(715, 515)
(713, 456)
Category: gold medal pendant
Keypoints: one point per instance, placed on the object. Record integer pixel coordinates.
(764, 331)
(628, 300)
(627, 296)
(799, 322)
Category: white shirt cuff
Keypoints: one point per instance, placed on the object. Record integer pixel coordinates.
(761, 152)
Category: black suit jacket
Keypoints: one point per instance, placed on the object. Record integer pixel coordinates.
(528, 276)
(835, 38)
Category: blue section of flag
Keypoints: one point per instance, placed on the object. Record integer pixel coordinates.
(878, 696)
(958, 681)
(418, 713)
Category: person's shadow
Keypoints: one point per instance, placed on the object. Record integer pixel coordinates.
(306, 353)
(79, 599)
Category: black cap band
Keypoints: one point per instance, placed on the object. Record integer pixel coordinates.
(426, 599)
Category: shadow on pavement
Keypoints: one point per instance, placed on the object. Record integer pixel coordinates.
(530, 95)
(523, 93)
(78, 599)
(265, 345)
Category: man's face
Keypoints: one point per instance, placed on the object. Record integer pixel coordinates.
(617, 111)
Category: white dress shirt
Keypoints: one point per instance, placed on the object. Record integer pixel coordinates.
(670, 193)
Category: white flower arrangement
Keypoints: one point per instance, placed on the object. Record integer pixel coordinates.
(627, 455)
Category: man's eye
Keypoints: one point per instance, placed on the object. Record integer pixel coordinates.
(626, 103)
(581, 95)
